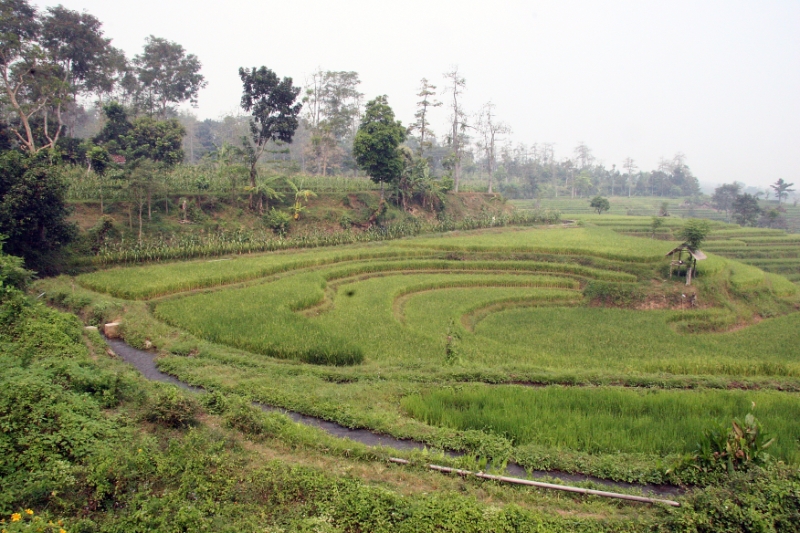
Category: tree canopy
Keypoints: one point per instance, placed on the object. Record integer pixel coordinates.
(273, 110)
(46, 62)
(33, 212)
(377, 140)
(166, 75)
(725, 195)
(746, 210)
(782, 189)
(694, 232)
(600, 204)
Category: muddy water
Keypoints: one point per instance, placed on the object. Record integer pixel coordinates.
(144, 362)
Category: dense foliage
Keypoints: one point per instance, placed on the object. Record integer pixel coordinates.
(376, 142)
(33, 211)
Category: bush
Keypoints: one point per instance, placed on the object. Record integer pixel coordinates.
(172, 408)
(33, 210)
(759, 500)
(740, 447)
(12, 274)
(694, 232)
(277, 221)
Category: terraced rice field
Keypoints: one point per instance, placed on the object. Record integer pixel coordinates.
(424, 338)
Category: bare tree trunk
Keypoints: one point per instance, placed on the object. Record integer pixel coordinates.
(553, 174)
(252, 184)
(571, 177)
(141, 208)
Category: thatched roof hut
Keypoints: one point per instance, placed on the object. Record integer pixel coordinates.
(690, 264)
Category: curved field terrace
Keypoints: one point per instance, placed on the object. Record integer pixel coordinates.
(431, 338)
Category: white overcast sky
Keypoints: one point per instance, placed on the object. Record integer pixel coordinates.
(717, 80)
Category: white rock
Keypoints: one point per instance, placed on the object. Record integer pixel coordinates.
(112, 330)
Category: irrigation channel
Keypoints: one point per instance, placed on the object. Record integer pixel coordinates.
(145, 363)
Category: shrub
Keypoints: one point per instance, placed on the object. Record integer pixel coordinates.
(277, 221)
(694, 232)
(172, 408)
(758, 500)
(739, 447)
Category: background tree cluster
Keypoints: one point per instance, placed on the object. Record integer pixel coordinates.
(745, 209)
(56, 69)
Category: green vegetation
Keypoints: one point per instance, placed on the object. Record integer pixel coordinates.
(425, 338)
(79, 457)
(606, 419)
(568, 349)
(217, 243)
(498, 305)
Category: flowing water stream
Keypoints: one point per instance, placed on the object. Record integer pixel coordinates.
(145, 363)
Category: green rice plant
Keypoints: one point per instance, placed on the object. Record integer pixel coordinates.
(605, 419)
(593, 242)
(158, 280)
(466, 266)
(630, 341)
(745, 277)
(781, 286)
(268, 325)
(711, 265)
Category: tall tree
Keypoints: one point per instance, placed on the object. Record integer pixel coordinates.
(782, 189)
(630, 166)
(45, 63)
(490, 128)
(745, 210)
(376, 144)
(333, 109)
(166, 76)
(725, 195)
(323, 149)
(273, 112)
(75, 42)
(422, 123)
(457, 118)
(583, 156)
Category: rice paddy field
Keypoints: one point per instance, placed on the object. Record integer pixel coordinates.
(525, 344)
(650, 206)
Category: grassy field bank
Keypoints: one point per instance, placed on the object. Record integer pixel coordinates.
(386, 325)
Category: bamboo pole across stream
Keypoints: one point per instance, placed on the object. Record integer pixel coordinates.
(541, 485)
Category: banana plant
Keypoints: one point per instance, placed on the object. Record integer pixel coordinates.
(300, 195)
(265, 190)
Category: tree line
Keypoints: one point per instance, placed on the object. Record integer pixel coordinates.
(744, 208)
(71, 100)
(59, 70)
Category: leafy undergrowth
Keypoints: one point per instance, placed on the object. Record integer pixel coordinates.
(87, 445)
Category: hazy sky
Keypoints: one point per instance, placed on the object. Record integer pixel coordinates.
(716, 80)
